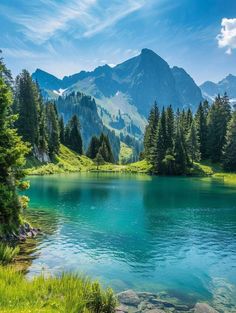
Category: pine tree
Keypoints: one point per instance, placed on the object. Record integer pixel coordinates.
(27, 106)
(218, 118)
(53, 130)
(73, 137)
(170, 129)
(106, 150)
(43, 135)
(62, 130)
(151, 131)
(180, 152)
(159, 150)
(193, 146)
(229, 153)
(93, 147)
(12, 157)
(201, 126)
(99, 159)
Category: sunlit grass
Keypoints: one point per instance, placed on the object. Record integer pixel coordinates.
(7, 253)
(68, 293)
(66, 161)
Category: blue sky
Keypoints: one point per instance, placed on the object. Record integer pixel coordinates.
(67, 36)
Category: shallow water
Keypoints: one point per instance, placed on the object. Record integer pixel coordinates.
(140, 232)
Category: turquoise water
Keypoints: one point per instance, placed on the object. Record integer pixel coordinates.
(140, 232)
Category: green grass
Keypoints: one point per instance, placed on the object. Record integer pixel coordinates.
(137, 167)
(68, 293)
(7, 253)
(125, 153)
(215, 170)
(66, 161)
(69, 161)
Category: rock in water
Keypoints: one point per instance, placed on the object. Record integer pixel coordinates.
(204, 308)
(129, 297)
(155, 311)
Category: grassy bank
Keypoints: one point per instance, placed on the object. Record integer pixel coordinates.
(69, 293)
(66, 161)
(69, 161)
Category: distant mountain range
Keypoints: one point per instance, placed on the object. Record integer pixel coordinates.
(125, 93)
(210, 90)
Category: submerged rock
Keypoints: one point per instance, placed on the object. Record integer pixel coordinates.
(129, 297)
(155, 311)
(204, 308)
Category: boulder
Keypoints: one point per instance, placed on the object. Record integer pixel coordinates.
(155, 311)
(204, 308)
(128, 297)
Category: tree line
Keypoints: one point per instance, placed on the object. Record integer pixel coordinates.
(40, 125)
(173, 141)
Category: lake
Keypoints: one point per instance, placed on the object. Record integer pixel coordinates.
(146, 233)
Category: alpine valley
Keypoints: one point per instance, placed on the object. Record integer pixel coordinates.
(117, 100)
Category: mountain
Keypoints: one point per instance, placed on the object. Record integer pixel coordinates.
(125, 93)
(46, 81)
(90, 122)
(210, 90)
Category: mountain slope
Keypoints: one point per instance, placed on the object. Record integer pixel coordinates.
(125, 93)
(91, 123)
(210, 90)
(189, 92)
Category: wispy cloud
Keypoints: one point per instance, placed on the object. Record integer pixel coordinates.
(22, 53)
(227, 37)
(80, 18)
(113, 15)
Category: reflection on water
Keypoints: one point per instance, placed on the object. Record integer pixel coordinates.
(141, 232)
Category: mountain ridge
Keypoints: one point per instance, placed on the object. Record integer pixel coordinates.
(228, 84)
(128, 90)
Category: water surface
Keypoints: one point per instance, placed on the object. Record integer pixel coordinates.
(140, 232)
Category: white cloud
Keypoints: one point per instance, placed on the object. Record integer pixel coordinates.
(113, 15)
(78, 18)
(227, 37)
(22, 53)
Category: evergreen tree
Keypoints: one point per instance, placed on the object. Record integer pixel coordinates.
(93, 147)
(53, 130)
(170, 129)
(43, 135)
(27, 106)
(62, 130)
(151, 132)
(12, 157)
(180, 152)
(229, 154)
(189, 120)
(201, 126)
(73, 137)
(106, 150)
(159, 151)
(99, 159)
(218, 118)
(193, 146)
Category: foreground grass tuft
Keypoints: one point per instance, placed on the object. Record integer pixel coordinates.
(66, 294)
(7, 254)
